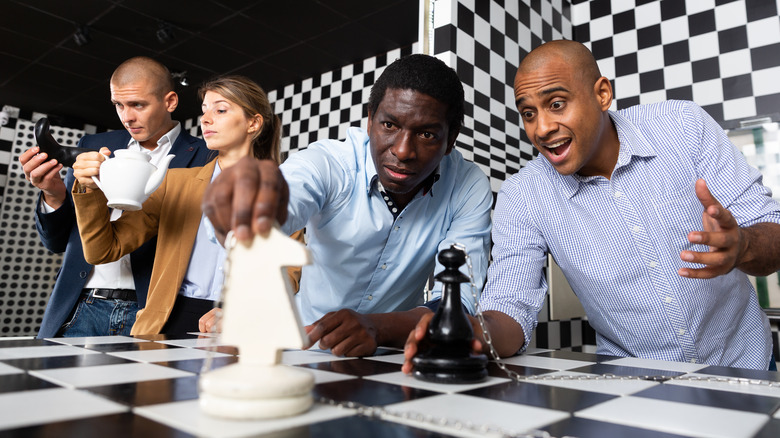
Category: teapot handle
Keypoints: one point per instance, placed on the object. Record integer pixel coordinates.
(97, 181)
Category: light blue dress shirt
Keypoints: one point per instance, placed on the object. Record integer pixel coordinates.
(204, 276)
(363, 259)
(618, 242)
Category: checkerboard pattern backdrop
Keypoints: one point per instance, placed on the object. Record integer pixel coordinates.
(725, 55)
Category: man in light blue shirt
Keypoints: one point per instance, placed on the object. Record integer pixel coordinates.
(618, 199)
(377, 208)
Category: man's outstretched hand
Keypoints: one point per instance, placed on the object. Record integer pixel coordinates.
(246, 198)
(720, 232)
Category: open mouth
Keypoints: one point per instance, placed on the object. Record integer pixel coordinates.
(559, 148)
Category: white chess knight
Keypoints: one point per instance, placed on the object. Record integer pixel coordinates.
(260, 318)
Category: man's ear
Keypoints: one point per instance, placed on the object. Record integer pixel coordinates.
(171, 101)
(603, 91)
(370, 118)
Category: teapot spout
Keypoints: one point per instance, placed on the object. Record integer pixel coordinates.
(157, 177)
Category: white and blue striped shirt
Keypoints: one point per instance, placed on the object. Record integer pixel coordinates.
(618, 242)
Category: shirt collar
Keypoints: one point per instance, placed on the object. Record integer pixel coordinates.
(164, 144)
(632, 144)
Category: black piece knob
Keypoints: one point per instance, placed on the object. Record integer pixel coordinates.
(446, 356)
(63, 154)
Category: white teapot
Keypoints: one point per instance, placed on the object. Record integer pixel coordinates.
(129, 178)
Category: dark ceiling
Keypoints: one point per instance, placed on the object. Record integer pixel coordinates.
(275, 42)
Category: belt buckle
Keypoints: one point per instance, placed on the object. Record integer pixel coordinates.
(95, 294)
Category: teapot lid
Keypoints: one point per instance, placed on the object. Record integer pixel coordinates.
(133, 155)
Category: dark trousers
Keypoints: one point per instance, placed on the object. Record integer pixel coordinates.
(185, 315)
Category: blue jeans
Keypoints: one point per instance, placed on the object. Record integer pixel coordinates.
(98, 317)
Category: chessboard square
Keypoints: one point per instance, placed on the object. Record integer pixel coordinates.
(744, 373)
(8, 369)
(580, 381)
(680, 418)
(706, 395)
(771, 429)
(325, 376)
(601, 28)
(43, 351)
(700, 380)
(166, 355)
(108, 374)
(82, 360)
(766, 81)
(651, 58)
(23, 382)
(627, 85)
(623, 370)
(708, 92)
(623, 21)
(704, 46)
(739, 108)
(356, 367)
(19, 409)
(299, 357)
(735, 63)
(648, 14)
(730, 15)
(683, 367)
(406, 380)
(187, 416)
(372, 392)
(549, 363)
(763, 32)
(732, 39)
(510, 417)
(150, 392)
(697, 6)
(585, 428)
(542, 396)
(679, 75)
(674, 30)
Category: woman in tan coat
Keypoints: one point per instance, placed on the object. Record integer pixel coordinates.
(186, 279)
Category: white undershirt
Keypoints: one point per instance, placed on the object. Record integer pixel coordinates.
(119, 274)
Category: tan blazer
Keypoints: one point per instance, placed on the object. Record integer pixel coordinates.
(172, 213)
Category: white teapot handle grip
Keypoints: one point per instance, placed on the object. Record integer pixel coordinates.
(97, 181)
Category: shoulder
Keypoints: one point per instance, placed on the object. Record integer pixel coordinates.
(682, 110)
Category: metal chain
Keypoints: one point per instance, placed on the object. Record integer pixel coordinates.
(518, 377)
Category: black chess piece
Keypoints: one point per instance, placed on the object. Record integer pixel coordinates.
(63, 154)
(446, 355)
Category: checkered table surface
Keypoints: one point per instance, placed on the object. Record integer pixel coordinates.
(147, 386)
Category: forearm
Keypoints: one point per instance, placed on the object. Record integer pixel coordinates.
(761, 253)
(506, 334)
(392, 329)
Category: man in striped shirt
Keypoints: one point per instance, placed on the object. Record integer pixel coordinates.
(653, 215)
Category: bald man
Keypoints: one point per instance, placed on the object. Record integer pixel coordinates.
(653, 215)
(103, 300)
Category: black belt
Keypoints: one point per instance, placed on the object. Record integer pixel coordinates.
(111, 294)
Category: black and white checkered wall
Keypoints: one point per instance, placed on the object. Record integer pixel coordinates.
(722, 54)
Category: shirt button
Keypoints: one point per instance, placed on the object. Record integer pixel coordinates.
(636, 229)
(370, 297)
(693, 360)
(618, 194)
(681, 332)
(668, 299)
(384, 266)
(652, 264)
(397, 228)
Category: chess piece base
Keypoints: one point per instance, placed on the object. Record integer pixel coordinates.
(469, 369)
(251, 392)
